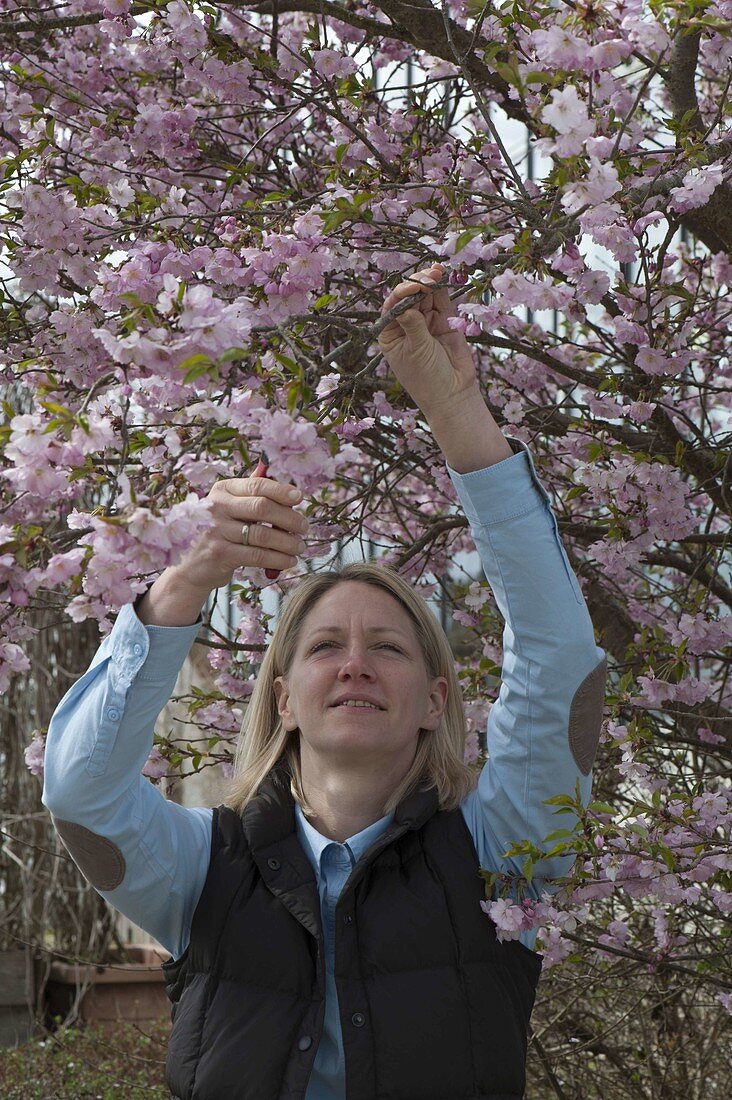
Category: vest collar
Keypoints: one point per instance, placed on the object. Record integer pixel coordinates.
(268, 823)
(270, 816)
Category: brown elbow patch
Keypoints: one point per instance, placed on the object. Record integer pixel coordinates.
(99, 860)
(585, 717)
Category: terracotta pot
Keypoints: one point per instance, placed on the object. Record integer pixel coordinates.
(133, 991)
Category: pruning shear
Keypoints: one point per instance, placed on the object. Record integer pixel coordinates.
(263, 463)
(261, 471)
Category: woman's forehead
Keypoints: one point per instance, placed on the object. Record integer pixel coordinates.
(353, 604)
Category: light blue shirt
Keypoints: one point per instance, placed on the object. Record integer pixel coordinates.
(100, 736)
(332, 863)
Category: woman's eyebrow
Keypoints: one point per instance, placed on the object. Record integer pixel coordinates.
(369, 630)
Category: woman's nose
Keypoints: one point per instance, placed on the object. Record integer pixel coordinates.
(356, 661)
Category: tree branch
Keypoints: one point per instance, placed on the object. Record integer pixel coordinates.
(680, 79)
(416, 22)
(711, 223)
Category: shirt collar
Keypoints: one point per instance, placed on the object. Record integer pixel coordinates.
(314, 843)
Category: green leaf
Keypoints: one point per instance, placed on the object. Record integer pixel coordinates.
(293, 396)
(333, 219)
(467, 236)
(559, 800)
(538, 76)
(220, 435)
(558, 849)
(232, 354)
(668, 858)
(194, 366)
(277, 196)
(602, 808)
(60, 410)
(132, 298)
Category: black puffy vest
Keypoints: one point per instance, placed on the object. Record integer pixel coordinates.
(432, 1005)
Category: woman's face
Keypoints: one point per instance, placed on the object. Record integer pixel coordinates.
(358, 640)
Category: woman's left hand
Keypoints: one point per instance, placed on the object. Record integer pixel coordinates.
(433, 363)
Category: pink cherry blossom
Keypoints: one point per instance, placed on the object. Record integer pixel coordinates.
(185, 28)
(330, 63)
(156, 766)
(655, 361)
(12, 660)
(601, 183)
(567, 114)
(510, 920)
(34, 753)
(592, 286)
(700, 633)
(327, 384)
(220, 718)
(608, 54)
(295, 453)
(558, 46)
(705, 734)
(698, 186)
(62, 567)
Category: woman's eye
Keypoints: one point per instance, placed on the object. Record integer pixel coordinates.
(383, 645)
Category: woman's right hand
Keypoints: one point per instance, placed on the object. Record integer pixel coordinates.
(214, 558)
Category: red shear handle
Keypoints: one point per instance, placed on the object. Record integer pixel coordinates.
(261, 471)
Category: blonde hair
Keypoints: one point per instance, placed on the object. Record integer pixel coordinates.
(264, 742)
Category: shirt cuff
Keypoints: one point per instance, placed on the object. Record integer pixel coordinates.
(162, 649)
(506, 489)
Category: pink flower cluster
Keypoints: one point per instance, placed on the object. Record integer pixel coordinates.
(34, 753)
(146, 543)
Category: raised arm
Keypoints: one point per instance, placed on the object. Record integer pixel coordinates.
(435, 366)
(147, 856)
(544, 727)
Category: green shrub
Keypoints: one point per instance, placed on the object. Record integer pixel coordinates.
(86, 1063)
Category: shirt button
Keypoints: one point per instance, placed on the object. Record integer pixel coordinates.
(137, 650)
(274, 864)
(113, 714)
(358, 1019)
(304, 1042)
(348, 920)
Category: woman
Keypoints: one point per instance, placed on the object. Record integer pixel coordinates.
(324, 923)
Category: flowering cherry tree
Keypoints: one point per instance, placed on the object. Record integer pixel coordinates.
(204, 208)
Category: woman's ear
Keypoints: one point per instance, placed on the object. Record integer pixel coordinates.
(437, 703)
(282, 695)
